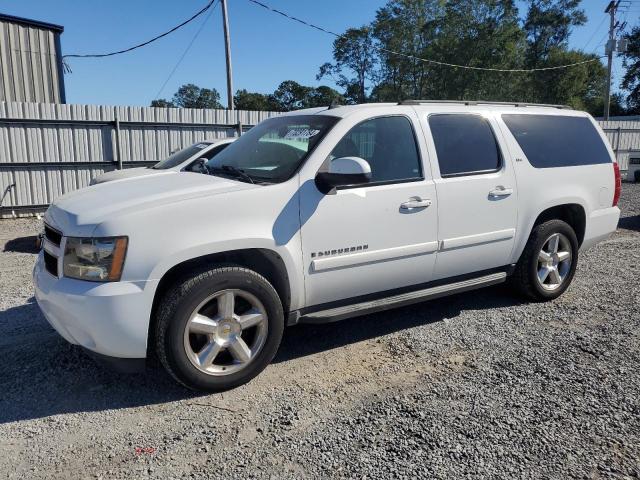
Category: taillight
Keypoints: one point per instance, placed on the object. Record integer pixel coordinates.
(618, 180)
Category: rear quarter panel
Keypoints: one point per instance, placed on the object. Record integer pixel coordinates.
(590, 186)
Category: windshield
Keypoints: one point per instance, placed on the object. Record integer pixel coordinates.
(176, 158)
(273, 150)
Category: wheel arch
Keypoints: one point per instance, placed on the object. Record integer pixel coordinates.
(267, 263)
(570, 210)
(572, 213)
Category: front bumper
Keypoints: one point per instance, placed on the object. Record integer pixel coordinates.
(109, 319)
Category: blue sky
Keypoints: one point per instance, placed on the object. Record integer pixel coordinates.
(266, 48)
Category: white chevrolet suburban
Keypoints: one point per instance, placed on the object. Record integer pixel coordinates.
(320, 215)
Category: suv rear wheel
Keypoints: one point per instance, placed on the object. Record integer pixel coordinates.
(548, 263)
(219, 329)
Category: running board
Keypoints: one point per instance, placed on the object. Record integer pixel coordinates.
(363, 308)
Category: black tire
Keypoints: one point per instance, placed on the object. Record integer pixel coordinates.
(525, 276)
(180, 301)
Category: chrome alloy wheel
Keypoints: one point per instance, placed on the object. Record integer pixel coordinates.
(554, 261)
(226, 332)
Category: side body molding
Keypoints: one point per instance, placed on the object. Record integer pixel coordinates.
(348, 260)
(477, 239)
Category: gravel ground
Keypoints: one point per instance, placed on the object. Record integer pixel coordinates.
(476, 385)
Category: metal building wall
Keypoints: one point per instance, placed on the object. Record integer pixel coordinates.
(47, 150)
(30, 63)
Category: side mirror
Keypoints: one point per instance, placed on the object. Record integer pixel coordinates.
(344, 171)
(198, 166)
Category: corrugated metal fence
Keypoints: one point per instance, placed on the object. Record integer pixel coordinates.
(624, 136)
(47, 149)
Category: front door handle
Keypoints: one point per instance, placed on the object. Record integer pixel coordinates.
(416, 203)
(501, 191)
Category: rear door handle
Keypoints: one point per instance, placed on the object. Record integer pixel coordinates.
(416, 203)
(501, 191)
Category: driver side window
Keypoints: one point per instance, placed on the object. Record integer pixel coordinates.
(388, 144)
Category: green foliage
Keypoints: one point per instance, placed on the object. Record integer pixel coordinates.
(191, 96)
(476, 33)
(595, 106)
(288, 96)
(162, 103)
(548, 26)
(324, 96)
(631, 79)
(291, 95)
(355, 61)
(245, 100)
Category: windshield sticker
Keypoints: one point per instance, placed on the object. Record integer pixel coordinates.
(200, 146)
(301, 133)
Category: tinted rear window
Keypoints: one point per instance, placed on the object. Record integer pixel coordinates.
(554, 141)
(464, 143)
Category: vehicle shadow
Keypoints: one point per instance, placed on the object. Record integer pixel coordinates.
(42, 375)
(308, 339)
(630, 223)
(22, 245)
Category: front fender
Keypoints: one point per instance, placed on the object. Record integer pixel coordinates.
(289, 258)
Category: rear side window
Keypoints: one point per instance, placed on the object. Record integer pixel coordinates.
(465, 144)
(557, 141)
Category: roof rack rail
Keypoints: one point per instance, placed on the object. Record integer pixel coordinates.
(481, 102)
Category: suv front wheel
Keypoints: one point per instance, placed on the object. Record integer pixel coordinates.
(548, 263)
(220, 328)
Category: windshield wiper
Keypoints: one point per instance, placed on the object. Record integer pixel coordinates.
(233, 171)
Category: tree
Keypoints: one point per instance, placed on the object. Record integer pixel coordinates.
(631, 79)
(245, 100)
(162, 103)
(595, 105)
(548, 26)
(192, 96)
(463, 32)
(355, 60)
(290, 95)
(323, 96)
(416, 42)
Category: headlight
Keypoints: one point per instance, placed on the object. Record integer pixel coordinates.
(95, 259)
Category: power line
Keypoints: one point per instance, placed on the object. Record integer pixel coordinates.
(100, 55)
(186, 50)
(595, 32)
(426, 60)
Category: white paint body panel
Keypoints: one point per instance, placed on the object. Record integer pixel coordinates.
(171, 218)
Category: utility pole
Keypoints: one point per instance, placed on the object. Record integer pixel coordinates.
(609, 49)
(227, 46)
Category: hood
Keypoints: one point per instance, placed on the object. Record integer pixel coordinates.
(127, 173)
(84, 209)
